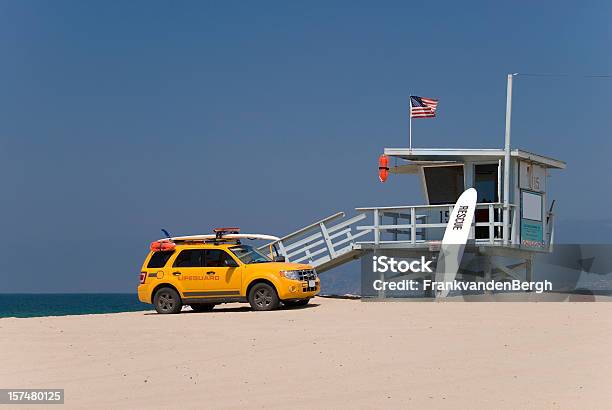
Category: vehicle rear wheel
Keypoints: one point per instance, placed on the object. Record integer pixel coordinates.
(167, 300)
(263, 297)
(294, 303)
(202, 307)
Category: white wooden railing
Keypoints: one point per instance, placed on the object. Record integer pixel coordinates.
(335, 240)
(424, 223)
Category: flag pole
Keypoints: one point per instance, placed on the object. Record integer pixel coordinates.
(410, 121)
(506, 206)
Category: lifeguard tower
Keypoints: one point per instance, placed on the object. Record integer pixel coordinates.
(514, 217)
(527, 228)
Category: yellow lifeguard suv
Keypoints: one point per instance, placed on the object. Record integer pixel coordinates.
(205, 270)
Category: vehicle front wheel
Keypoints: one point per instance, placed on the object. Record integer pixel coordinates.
(263, 297)
(295, 303)
(167, 300)
(202, 307)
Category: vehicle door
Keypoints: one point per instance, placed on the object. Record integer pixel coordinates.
(188, 271)
(223, 273)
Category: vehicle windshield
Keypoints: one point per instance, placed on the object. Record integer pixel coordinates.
(248, 254)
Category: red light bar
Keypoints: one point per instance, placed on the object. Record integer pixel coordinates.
(219, 232)
(226, 230)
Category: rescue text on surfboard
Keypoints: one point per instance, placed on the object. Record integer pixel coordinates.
(461, 214)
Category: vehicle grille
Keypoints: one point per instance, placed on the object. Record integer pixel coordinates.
(307, 274)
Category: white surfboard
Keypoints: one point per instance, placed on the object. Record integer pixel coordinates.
(455, 237)
(228, 236)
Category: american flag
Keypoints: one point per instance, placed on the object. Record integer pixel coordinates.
(421, 107)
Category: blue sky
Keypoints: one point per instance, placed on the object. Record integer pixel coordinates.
(118, 118)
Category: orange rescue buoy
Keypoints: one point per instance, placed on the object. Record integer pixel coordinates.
(158, 246)
(383, 168)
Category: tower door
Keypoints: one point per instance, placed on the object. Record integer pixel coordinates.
(486, 183)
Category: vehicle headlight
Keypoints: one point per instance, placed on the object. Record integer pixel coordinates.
(291, 274)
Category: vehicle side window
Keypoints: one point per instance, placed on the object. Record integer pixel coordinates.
(189, 258)
(159, 259)
(215, 258)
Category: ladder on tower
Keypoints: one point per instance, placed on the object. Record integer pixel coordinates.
(324, 244)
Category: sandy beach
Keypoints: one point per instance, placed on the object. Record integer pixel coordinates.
(333, 353)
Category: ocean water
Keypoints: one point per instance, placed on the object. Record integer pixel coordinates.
(57, 304)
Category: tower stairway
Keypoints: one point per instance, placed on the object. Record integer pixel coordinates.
(324, 244)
